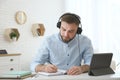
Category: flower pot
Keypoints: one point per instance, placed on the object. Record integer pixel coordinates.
(14, 38)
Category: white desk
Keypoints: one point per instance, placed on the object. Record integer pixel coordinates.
(84, 76)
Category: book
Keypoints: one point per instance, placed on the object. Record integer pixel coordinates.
(59, 72)
(15, 74)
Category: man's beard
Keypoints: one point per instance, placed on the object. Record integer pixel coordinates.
(67, 40)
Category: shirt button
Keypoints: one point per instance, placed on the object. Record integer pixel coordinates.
(67, 64)
(68, 54)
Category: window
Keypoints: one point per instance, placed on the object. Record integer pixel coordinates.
(100, 22)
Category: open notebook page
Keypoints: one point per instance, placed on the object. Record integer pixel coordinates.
(59, 72)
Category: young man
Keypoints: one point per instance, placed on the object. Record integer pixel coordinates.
(66, 49)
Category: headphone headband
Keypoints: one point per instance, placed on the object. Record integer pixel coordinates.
(71, 14)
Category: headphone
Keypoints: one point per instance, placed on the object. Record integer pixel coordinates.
(79, 30)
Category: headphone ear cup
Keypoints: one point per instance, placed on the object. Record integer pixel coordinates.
(58, 24)
(79, 31)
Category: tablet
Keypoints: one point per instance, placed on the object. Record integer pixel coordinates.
(100, 64)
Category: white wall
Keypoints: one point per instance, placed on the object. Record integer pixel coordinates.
(37, 11)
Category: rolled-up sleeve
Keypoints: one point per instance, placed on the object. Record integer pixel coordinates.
(41, 56)
(88, 52)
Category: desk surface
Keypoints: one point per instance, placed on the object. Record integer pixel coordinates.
(83, 76)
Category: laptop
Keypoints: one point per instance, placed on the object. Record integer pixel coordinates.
(100, 64)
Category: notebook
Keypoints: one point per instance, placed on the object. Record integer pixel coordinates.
(59, 72)
(100, 64)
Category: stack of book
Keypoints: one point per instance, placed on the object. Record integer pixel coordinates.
(16, 75)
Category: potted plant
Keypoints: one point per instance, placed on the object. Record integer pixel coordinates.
(13, 36)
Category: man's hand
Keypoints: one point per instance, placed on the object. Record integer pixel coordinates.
(46, 68)
(50, 68)
(76, 70)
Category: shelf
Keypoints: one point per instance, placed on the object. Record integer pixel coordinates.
(15, 54)
(38, 29)
(12, 34)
